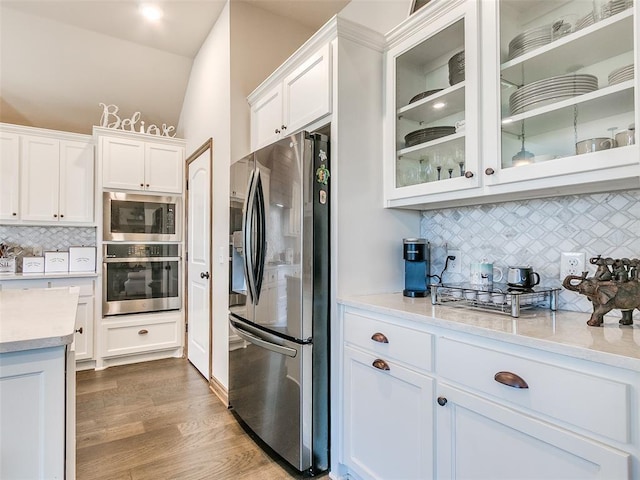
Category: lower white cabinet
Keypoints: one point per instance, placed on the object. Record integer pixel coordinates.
(158, 335)
(33, 409)
(388, 418)
(420, 401)
(479, 439)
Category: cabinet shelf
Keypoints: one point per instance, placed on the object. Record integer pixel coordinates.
(602, 103)
(423, 110)
(595, 43)
(414, 151)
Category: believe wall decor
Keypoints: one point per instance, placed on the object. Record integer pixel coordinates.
(111, 119)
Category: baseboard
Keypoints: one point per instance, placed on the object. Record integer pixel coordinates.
(219, 390)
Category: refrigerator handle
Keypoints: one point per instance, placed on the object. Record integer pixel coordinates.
(261, 237)
(247, 230)
(289, 352)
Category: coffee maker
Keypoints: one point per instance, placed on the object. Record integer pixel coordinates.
(416, 254)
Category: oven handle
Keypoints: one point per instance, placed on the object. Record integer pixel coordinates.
(140, 259)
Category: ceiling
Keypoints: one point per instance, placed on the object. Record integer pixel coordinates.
(60, 59)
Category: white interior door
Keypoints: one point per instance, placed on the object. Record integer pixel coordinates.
(199, 263)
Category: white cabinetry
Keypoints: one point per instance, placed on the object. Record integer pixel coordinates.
(502, 411)
(33, 400)
(388, 400)
(47, 177)
(140, 162)
(9, 175)
(529, 131)
(293, 102)
(140, 337)
(56, 180)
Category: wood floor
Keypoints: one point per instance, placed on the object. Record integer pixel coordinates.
(159, 420)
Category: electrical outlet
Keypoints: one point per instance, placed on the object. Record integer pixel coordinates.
(572, 263)
(454, 265)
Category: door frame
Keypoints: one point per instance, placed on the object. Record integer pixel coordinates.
(208, 145)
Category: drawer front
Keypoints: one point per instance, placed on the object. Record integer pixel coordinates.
(23, 284)
(129, 338)
(404, 344)
(596, 404)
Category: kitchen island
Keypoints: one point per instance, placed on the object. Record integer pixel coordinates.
(463, 393)
(37, 373)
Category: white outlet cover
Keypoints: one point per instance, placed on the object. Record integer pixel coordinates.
(572, 263)
(454, 265)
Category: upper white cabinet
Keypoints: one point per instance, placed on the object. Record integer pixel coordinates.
(566, 93)
(9, 175)
(140, 162)
(431, 124)
(300, 98)
(557, 109)
(47, 177)
(57, 182)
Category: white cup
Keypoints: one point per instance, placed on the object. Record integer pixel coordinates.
(483, 274)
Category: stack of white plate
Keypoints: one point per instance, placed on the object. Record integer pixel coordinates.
(585, 21)
(613, 7)
(530, 40)
(621, 74)
(551, 90)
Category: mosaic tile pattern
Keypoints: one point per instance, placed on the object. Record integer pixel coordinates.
(46, 238)
(535, 232)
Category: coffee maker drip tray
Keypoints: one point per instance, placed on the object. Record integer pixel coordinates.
(499, 298)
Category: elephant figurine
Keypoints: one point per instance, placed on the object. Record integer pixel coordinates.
(605, 296)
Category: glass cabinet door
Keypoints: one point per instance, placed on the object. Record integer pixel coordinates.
(431, 134)
(567, 89)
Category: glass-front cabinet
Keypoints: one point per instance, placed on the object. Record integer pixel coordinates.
(431, 120)
(510, 99)
(567, 92)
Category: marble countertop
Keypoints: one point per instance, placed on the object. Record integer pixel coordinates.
(561, 332)
(37, 318)
(38, 276)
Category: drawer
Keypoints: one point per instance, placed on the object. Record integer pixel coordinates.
(125, 338)
(84, 285)
(590, 402)
(407, 345)
(23, 284)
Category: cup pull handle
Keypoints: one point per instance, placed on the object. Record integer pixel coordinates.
(380, 364)
(143, 332)
(379, 337)
(510, 380)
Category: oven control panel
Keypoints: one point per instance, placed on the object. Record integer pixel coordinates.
(141, 250)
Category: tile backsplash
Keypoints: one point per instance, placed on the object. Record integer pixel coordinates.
(535, 232)
(46, 238)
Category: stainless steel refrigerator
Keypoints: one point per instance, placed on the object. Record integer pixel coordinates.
(279, 297)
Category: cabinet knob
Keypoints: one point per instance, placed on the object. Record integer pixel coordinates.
(55, 215)
(510, 380)
(276, 131)
(468, 174)
(147, 185)
(61, 215)
(489, 171)
(380, 364)
(143, 332)
(79, 330)
(142, 185)
(283, 127)
(14, 214)
(379, 337)
(442, 401)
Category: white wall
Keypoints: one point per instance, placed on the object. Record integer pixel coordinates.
(378, 15)
(245, 45)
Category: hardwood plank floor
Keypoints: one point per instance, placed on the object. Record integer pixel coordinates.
(159, 420)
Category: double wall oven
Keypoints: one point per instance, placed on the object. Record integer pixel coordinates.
(142, 257)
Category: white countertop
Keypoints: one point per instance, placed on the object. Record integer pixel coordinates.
(561, 332)
(39, 276)
(37, 318)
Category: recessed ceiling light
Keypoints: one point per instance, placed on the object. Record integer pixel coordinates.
(151, 12)
(439, 105)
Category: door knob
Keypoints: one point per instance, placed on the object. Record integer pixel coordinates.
(204, 275)
(442, 401)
